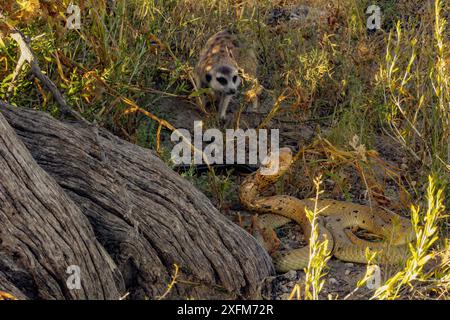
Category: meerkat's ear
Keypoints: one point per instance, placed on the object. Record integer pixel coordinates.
(208, 77)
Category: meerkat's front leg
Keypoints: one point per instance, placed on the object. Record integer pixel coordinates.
(223, 105)
(203, 102)
(255, 104)
(257, 89)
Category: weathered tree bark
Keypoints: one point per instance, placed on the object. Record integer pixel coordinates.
(144, 214)
(43, 232)
(7, 287)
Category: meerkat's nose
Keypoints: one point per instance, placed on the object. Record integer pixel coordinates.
(232, 91)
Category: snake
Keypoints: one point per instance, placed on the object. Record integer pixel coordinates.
(336, 223)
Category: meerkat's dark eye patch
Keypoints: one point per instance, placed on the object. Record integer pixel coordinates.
(208, 77)
(222, 81)
(224, 70)
(235, 78)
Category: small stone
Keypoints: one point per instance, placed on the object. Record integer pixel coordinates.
(285, 296)
(333, 281)
(285, 289)
(347, 272)
(349, 265)
(291, 275)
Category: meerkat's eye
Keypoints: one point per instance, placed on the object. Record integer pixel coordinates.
(222, 81)
(208, 77)
(235, 79)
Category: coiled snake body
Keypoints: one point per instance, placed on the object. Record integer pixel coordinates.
(339, 216)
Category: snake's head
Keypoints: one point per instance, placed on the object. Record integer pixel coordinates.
(398, 231)
(277, 163)
(403, 232)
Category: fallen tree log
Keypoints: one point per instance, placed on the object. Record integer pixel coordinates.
(43, 232)
(145, 215)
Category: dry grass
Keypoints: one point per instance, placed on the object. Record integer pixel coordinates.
(319, 253)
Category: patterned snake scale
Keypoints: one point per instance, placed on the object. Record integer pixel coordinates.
(339, 217)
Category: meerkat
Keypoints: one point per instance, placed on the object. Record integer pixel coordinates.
(222, 62)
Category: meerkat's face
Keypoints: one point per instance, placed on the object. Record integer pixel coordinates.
(224, 79)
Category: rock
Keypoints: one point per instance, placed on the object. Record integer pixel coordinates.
(333, 281)
(347, 272)
(286, 289)
(291, 275)
(349, 265)
(285, 296)
(301, 14)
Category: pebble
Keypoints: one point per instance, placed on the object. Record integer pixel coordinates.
(333, 281)
(291, 275)
(285, 296)
(347, 272)
(286, 289)
(349, 265)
